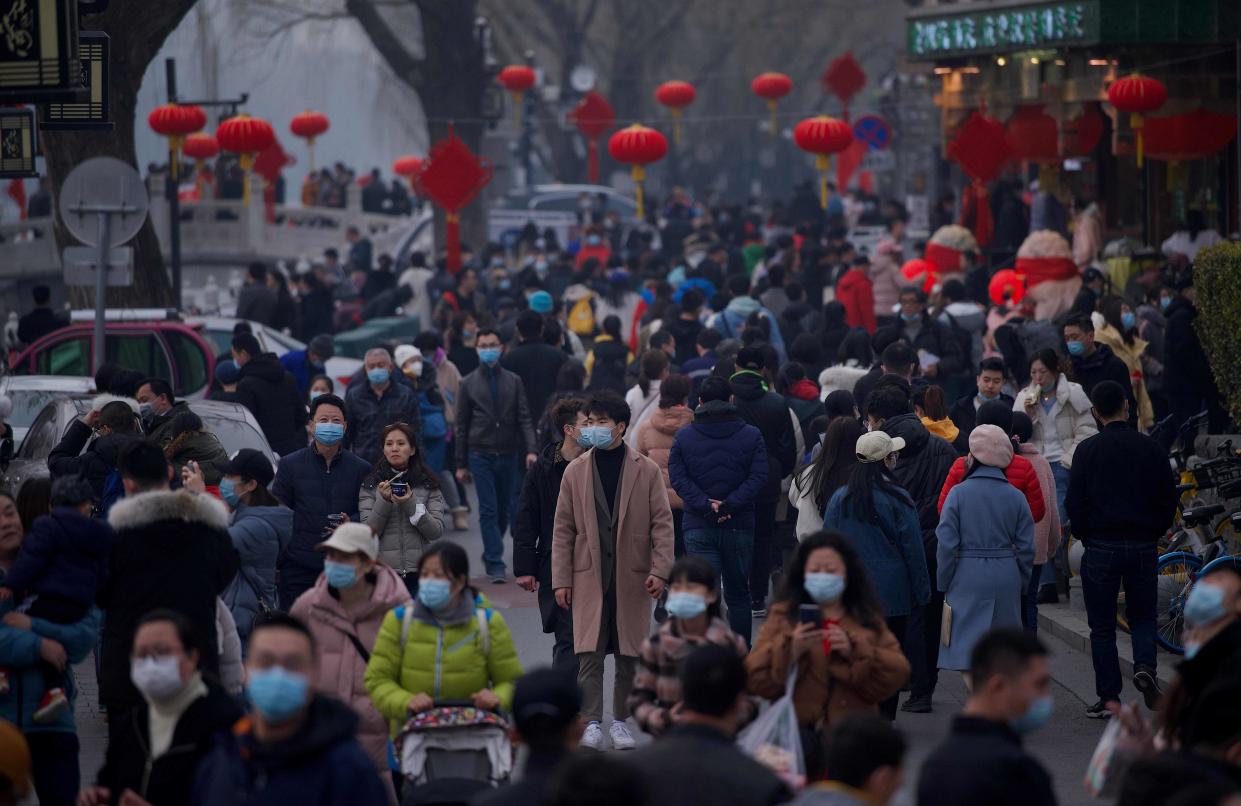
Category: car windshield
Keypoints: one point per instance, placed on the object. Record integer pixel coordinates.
(27, 403)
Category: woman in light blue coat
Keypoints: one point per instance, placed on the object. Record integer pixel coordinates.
(986, 549)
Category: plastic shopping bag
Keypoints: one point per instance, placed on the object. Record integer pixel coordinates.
(1111, 758)
(774, 741)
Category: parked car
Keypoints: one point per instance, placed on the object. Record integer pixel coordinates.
(219, 331)
(156, 348)
(554, 207)
(232, 423)
(30, 393)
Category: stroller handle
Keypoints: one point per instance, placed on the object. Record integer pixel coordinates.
(462, 704)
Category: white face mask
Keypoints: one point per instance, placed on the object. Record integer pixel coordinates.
(158, 679)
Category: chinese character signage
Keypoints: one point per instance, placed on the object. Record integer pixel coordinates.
(17, 143)
(1048, 25)
(38, 48)
(91, 109)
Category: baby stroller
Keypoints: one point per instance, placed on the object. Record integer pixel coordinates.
(451, 752)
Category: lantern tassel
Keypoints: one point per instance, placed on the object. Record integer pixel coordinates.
(676, 127)
(310, 146)
(771, 111)
(247, 162)
(822, 162)
(592, 161)
(174, 155)
(517, 109)
(1135, 121)
(452, 237)
(638, 173)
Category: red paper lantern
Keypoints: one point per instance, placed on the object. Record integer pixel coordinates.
(844, 78)
(308, 125)
(676, 95)
(1082, 133)
(517, 79)
(637, 146)
(246, 137)
(823, 136)
(1190, 136)
(1138, 95)
(451, 176)
(407, 166)
(200, 146)
(1033, 135)
(176, 121)
(593, 117)
(921, 273)
(771, 87)
(1006, 286)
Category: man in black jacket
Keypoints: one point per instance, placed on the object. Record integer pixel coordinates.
(982, 761)
(377, 404)
(40, 321)
(158, 407)
(766, 411)
(896, 358)
(937, 347)
(1094, 363)
(116, 425)
(698, 761)
(171, 550)
(493, 430)
(532, 527)
(921, 469)
(990, 380)
(1121, 500)
(270, 392)
(1187, 374)
(535, 362)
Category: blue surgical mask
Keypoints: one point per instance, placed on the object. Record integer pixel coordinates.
(1164, 302)
(1077, 348)
(592, 240)
(434, 593)
(145, 410)
(378, 375)
(489, 355)
(329, 434)
(540, 266)
(583, 438)
(598, 436)
(825, 588)
(1035, 717)
(909, 317)
(276, 693)
(686, 605)
(340, 575)
(985, 396)
(1128, 319)
(1205, 605)
(316, 393)
(228, 492)
(1049, 387)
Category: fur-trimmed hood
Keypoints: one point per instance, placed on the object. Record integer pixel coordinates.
(145, 509)
(99, 401)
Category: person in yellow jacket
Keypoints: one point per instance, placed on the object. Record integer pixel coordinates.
(450, 645)
(1119, 330)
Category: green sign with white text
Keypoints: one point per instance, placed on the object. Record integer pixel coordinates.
(1046, 25)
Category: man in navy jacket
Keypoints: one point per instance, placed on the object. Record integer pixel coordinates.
(718, 466)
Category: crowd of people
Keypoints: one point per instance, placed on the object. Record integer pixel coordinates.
(824, 504)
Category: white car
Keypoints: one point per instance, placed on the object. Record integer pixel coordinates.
(219, 331)
(30, 393)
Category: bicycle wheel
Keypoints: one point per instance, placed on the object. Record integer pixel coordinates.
(1176, 573)
(1232, 560)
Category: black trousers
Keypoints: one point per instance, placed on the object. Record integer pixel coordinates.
(678, 533)
(887, 708)
(54, 766)
(922, 636)
(764, 552)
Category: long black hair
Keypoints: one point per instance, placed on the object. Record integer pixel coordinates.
(865, 478)
(835, 461)
(859, 599)
(695, 569)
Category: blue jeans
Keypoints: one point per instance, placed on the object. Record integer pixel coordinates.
(495, 479)
(1029, 602)
(1107, 565)
(1061, 474)
(730, 552)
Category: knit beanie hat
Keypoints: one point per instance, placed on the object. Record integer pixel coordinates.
(991, 446)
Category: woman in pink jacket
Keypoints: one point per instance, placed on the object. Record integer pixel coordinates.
(344, 611)
(1047, 530)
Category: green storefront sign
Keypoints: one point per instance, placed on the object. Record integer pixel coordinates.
(1048, 25)
(1004, 27)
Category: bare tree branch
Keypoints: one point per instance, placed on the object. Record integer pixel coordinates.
(389, 45)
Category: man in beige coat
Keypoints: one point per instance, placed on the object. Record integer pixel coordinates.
(612, 551)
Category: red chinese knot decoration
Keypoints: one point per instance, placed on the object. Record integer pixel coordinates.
(517, 79)
(593, 117)
(637, 146)
(246, 137)
(844, 78)
(1138, 95)
(676, 95)
(176, 122)
(981, 148)
(771, 87)
(451, 176)
(308, 125)
(823, 136)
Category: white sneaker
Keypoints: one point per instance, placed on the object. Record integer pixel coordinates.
(622, 739)
(592, 737)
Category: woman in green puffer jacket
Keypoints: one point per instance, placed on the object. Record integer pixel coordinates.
(450, 646)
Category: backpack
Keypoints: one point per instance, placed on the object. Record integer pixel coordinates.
(482, 616)
(582, 316)
(434, 425)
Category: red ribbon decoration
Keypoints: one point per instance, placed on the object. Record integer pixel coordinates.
(1035, 270)
(944, 258)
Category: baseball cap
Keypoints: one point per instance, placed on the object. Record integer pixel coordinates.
(250, 463)
(875, 446)
(352, 538)
(546, 695)
(541, 302)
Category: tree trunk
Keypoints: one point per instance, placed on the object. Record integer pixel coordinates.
(138, 29)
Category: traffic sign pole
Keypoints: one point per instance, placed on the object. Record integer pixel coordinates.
(101, 284)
